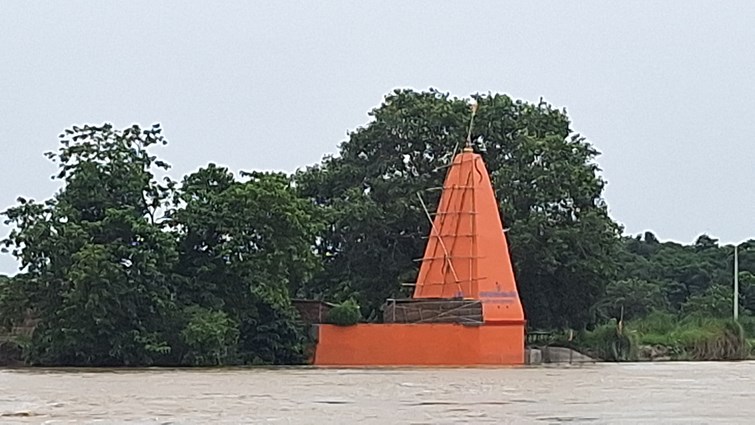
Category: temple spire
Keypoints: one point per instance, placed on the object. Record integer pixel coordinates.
(467, 254)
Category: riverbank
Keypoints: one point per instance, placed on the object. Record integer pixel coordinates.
(664, 337)
(657, 337)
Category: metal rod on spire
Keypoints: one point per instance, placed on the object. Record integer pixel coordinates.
(473, 106)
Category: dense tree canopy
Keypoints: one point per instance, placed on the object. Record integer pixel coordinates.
(683, 279)
(123, 269)
(242, 245)
(96, 263)
(120, 267)
(544, 176)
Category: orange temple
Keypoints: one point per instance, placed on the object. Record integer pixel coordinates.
(467, 255)
(466, 259)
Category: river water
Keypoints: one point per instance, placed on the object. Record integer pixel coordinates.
(666, 393)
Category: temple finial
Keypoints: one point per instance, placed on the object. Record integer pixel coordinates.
(468, 144)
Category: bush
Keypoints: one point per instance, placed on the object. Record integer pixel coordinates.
(609, 342)
(631, 299)
(713, 339)
(345, 314)
(748, 325)
(655, 324)
(716, 301)
(210, 336)
(11, 352)
(694, 337)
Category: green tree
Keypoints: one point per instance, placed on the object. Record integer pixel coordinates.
(746, 253)
(210, 336)
(97, 261)
(681, 271)
(716, 301)
(705, 242)
(242, 246)
(545, 178)
(12, 302)
(631, 299)
(747, 291)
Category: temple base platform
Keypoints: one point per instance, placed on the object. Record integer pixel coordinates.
(420, 344)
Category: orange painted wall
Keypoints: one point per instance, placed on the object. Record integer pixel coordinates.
(403, 344)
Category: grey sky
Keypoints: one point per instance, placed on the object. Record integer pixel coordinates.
(666, 90)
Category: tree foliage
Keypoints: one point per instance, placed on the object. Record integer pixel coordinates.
(11, 302)
(545, 179)
(123, 269)
(345, 314)
(210, 337)
(242, 246)
(95, 264)
(692, 279)
(630, 299)
(716, 301)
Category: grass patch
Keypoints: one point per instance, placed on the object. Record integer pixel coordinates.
(692, 338)
(664, 336)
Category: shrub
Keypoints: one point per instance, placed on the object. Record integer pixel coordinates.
(713, 339)
(610, 342)
(748, 325)
(656, 323)
(694, 337)
(210, 336)
(11, 352)
(345, 314)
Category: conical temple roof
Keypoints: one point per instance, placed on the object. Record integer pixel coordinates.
(467, 255)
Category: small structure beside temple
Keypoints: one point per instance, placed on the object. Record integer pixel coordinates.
(312, 311)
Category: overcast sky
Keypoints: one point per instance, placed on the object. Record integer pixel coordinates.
(665, 90)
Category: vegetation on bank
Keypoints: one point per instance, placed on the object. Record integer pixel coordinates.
(123, 266)
(674, 302)
(662, 336)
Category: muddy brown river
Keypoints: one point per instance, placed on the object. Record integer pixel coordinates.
(664, 393)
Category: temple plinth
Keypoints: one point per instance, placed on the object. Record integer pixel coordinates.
(465, 309)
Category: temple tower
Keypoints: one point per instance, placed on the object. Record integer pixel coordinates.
(467, 255)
